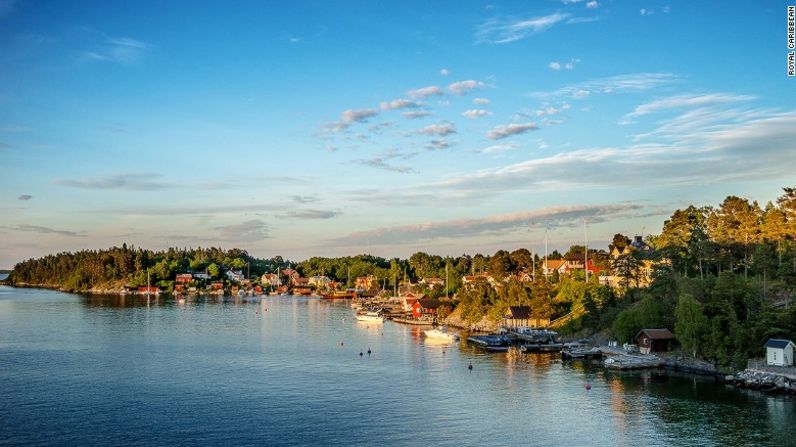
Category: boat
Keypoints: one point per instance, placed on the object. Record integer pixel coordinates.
(491, 343)
(370, 316)
(441, 334)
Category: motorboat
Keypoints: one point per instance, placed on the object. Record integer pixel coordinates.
(441, 335)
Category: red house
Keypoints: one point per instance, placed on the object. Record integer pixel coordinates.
(425, 307)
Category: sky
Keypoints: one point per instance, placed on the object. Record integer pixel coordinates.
(336, 128)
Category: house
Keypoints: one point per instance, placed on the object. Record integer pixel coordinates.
(520, 316)
(425, 307)
(431, 282)
(369, 282)
(235, 275)
(469, 279)
(270, 279)
(291, 275)
(217, 285)
(654, 340)
(205, 276)
(408, 300)
(779, 352)
(319, 281)
(300, 282)
(179, 288)
(183, 278)
(525, 277)
(552, 265)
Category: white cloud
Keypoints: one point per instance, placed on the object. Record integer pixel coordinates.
(476, 113)
(464, 87)
(125, 182)
(440, 143)
(415, 114)
(625, 83)
(357, 115)
(121, 50)
(399, 104)
(557, 216)
(592, 4)
(444, 72)
(498, 148)
(646, 12)
(554, 65)
(249, 231)
(425, 92)
(508, 130)
(683, 101)
(497, 31)
(439, 129)
(481, 101)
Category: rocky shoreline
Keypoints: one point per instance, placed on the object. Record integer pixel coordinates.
(766, 381)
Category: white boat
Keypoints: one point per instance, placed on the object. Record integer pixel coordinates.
(371, 317)
(441, 334)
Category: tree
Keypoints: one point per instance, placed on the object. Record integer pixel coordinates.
(213, 270)
(691, 326)
(500, 264)
(620, 241)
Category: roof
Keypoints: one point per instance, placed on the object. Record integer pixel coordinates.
(555, 263)
(657, 334)
(429, 303)
(520, 312)
(778, 343)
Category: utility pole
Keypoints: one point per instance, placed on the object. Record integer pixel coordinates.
(586, 250)
(545, 255)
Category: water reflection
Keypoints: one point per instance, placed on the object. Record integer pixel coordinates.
(287, 371)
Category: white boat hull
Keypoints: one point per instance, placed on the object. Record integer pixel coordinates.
(370, 318)
(438, 335)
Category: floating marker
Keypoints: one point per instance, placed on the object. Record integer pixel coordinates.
(587, 386)
(470, 366)
(360, 353)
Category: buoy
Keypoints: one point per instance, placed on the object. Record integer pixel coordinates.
(341, 343)
(470, 366)
(587, 386)
(360, 353)
(368, 351)
(443, 352)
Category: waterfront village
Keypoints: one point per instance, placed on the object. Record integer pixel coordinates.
(710, 293)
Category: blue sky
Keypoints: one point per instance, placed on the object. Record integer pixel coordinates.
(335, 128)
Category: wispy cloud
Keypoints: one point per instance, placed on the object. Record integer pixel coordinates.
(476, 113)
(42, 230)
(508, 130)
(425, 92)
(498, 31)
(444, 72)
(310, 214)
(465, 228)
(125, 182)
(121, 50)
(464, 87)
(304, 199)
(382, 161)
(349, 117)
(633, 82)
(481, 101)
(440, 143)
(439, 129)
(556, 66)
(415, 114)
(498, 148)
(683, 101)
(592, 4)
(399, 104)
(249, 231)
(25, 197)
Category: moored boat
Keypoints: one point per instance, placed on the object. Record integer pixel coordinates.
(441, 334)
(370, 316)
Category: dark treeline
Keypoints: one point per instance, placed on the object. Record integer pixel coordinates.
(128, 266)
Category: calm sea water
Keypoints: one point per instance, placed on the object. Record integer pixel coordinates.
(103, 371)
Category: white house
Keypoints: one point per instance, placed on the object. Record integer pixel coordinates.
(235, 275)
(779, 352)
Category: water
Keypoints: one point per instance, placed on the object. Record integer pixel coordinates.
(117, 371)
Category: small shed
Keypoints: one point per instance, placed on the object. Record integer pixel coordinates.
(654, 340)
(517, 316)
(779, 352)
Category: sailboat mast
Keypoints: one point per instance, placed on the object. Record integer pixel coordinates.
(545, 254)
